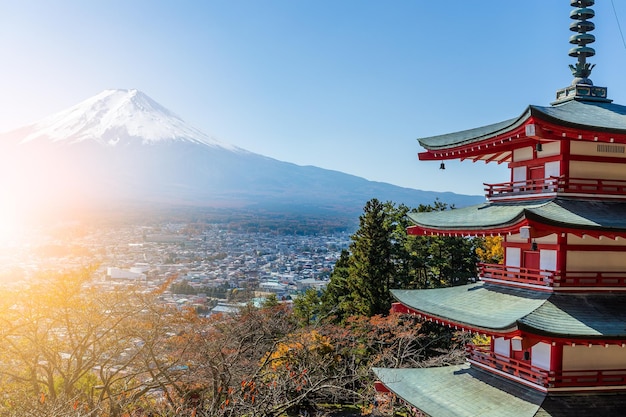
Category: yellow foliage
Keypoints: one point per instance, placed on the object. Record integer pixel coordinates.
(491, 251)
(286, 353)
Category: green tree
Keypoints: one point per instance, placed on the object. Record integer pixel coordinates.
(383, 256)
(371, 270)
(307, 307)
(270, 301)
(335, 299)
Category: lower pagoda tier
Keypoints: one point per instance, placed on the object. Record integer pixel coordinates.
(549, 342)
(464, 391)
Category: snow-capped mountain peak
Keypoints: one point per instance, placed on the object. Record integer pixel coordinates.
(116, 118)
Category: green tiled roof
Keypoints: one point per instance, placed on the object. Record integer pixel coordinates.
(591, 214)
(464, 137)
(582, 316)
(495, 308)
(576, 214)
(584, 114)
(463, 391)
(460, 391)
(479, 305)
(607, 117)
(482, 216)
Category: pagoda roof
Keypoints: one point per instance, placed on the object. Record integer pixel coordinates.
(477, 306)
(559, 121)
(556, 214)
(464, 391)
(494, 309)
(460, 391)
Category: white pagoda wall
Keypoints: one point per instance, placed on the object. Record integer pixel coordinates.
(582, 357)
(549, 149)
(603, 260)
(597, 169)
(523, 154)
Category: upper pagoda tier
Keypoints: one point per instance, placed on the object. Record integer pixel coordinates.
(574, 148)
(582, 120)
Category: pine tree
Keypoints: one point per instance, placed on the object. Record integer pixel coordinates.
(371, 269)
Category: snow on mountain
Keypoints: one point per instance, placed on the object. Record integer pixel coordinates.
(121, 148)
(117, 118)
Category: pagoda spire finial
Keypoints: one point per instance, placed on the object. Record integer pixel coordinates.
(582, 88)
(582, 70)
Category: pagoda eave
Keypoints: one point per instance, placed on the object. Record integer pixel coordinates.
(495, 143)
(420, 230)
(401, 308)
(493, 148)
(580, 218)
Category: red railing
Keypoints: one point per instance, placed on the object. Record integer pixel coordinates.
(590, 279)
(516, 274)
(545, 378)
(561, 185)
(548, 278)
(542, 185)
(604, 378)
(521, 369)
(591, 186)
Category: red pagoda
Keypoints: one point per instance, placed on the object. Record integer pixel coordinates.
(555, 311)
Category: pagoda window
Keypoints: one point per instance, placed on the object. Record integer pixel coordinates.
(540, 356)
(553, 169)
(513, 257)
(502, 347)
(548, 259)
(519, 176)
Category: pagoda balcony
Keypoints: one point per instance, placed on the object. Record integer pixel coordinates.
(514, 275)
(556, 185)
(517, 368)
(547, 379)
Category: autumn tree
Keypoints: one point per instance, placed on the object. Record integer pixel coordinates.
(490, 250)
(63, 345)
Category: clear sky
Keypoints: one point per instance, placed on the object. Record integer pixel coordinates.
(347, 85)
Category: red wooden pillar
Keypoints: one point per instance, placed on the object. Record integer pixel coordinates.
(556, 358)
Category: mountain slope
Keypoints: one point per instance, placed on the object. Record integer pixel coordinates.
(121, 147)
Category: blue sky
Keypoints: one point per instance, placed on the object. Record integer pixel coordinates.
(347, 85)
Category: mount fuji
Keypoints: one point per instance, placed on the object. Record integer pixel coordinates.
(122, 148)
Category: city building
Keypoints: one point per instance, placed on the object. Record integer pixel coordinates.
(554, 311)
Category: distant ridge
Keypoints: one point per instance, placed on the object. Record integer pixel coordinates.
(120, 148)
